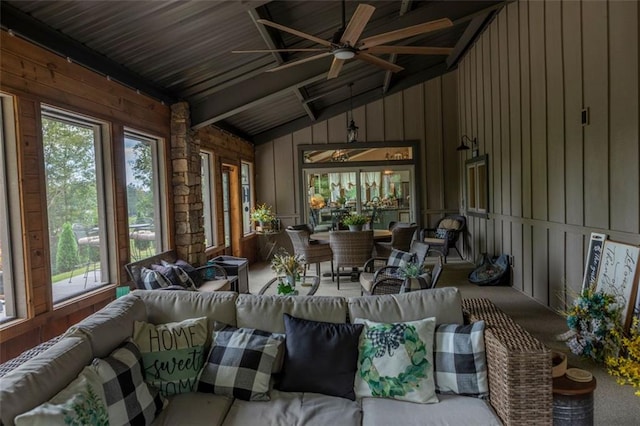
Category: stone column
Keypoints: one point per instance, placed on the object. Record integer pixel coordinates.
(187, 187)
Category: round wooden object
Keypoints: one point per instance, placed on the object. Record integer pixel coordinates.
(565, 386)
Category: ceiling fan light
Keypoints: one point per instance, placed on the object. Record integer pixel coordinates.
(344, 53)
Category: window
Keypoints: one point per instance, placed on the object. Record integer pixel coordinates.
(477, 194)
(208, 199)
(144, 195)
(247, 198)
(10, 219)
(74, 173)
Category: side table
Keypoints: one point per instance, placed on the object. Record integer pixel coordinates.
(573, 402)
(310, 283)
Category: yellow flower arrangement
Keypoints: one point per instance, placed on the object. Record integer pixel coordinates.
(626, 367)
(317, 202)
(262, 213)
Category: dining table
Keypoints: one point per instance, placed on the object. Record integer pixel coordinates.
(378, 235)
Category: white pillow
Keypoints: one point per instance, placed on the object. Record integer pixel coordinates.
(395, 360)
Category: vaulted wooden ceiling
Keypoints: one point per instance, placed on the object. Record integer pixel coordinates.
(181, 50)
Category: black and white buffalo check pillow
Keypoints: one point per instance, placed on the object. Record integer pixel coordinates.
(400, 258)
(130, 401)
(460, 364)
(240, 363)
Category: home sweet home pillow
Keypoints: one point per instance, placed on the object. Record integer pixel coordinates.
(172, 354)
(395, 360)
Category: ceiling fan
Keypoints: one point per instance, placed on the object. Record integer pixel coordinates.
(346, 43)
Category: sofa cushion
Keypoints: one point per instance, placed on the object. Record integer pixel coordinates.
(111, 325)
(460, 362)
(173, 306)
(320, 357)
(194, 409)
(42, 377)
(445, 304)
(295, 408)
(240, 363)
(400, 258)
(396, 361)
(451, 410)
(266, 312)
(130, 401)
(173, 353)
(81, 402)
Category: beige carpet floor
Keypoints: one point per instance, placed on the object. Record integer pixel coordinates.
(614, 404)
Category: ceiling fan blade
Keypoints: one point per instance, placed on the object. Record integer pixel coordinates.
(410, 50)
(357, 23)
(379, 62)
(405, 33)
(295, 32)
(301, 61)
(336, 66)
(278, 50)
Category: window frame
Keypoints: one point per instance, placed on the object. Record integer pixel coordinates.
(159, 170)
(209, 203)
(247, 223)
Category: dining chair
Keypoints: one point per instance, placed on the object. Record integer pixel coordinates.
(401, 237)
(311, 251)
(350, 249)
(445, 235)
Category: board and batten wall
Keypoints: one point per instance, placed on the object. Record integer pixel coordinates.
(553, 181)
(426, 112)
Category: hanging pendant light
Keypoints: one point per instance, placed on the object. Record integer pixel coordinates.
(352, 129)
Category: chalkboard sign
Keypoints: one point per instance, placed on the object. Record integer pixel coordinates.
(594, 255)
(618, 275)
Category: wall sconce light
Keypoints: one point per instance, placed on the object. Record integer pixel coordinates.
(463, 146)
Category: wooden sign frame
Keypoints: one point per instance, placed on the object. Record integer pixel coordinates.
(594, 254)
(618, 275)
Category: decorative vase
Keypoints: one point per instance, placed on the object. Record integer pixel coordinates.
(355, 227)
(291, 280)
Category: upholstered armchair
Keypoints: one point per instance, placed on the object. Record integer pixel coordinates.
(445, 235)
(315, 252)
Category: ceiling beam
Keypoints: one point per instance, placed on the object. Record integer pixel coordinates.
(344, 106)
(404, 8)
(24, 25)
(471, 33)
(300, 93)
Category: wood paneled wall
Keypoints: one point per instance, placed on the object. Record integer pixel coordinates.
(553, 181)
(34, 77)
(426, 112)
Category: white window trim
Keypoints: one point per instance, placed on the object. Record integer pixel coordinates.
(212, 220)
(252, 200)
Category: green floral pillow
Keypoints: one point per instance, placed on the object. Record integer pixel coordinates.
(82, 402)
(395, 361)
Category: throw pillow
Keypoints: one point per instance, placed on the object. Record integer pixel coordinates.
(396, 361)
(82, 402)
(320, 357)
(130, 401)
(441, 233)
(421, 282)
(152, 280)
(400, 258)
(240, 363)
(183, 273)
(172, 354)
(460, 361)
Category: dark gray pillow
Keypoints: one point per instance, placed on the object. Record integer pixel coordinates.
(320, 357)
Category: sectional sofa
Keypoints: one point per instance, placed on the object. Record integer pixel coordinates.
(519, 366)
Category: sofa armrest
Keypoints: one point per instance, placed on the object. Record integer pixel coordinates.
(519, 367)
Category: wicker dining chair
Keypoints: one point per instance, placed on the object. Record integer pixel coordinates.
(401, 237)
(351, 249)
(315, 252)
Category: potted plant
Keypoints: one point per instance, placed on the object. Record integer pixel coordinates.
(415, 277)
(355, 221)
(263, 215)
(341, 200)
(289, 266)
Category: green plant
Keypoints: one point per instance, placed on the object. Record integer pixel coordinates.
(355, 219)
(284, 263)
(411, 270)
(341, 200)
(67, 253)
(285, 288)
(262, 213)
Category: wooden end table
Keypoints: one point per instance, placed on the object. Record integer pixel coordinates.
(573, 402)
(306, 287)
